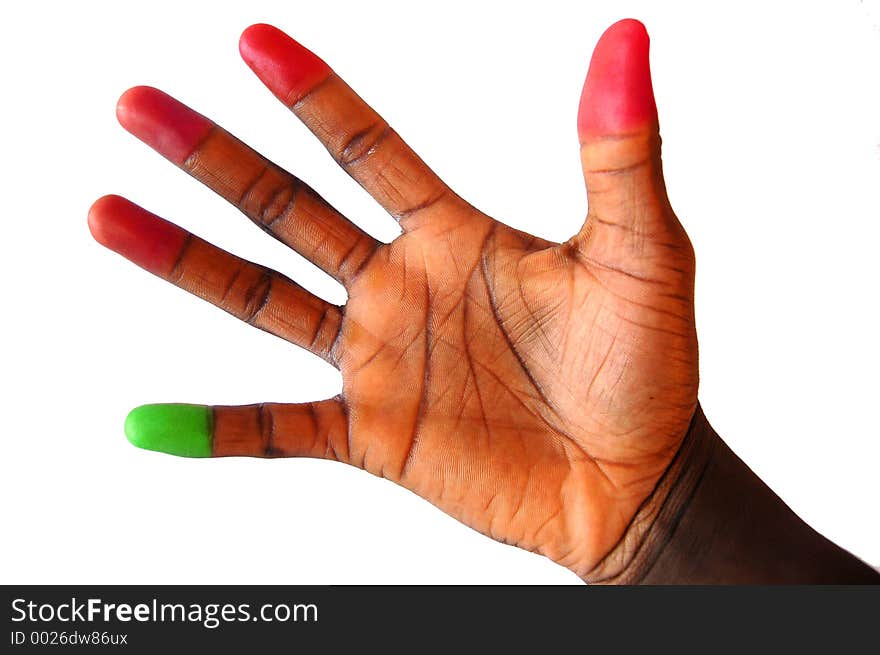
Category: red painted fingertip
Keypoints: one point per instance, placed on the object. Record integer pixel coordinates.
(287, 68)
(138, 235)
(618, 96)
(166, 125)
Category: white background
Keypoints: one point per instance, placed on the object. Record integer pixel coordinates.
(770, 115)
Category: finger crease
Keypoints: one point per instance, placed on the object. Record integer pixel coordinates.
(415, 209)
(363, 144)
(257, 298)
(177, 269)
(251, 186)
(266, 426)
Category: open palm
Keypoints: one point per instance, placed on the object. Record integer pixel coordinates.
(535, 391)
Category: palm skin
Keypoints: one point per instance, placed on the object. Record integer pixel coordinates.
(530, 392)
(535, 391)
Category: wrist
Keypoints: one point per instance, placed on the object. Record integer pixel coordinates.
(711, 520)
(648, 533)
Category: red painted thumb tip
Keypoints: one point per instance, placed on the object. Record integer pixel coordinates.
(618, 96)
(256, 32)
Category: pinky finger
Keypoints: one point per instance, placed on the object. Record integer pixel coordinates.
(317, 429)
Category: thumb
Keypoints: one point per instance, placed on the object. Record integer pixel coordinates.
(629, 212)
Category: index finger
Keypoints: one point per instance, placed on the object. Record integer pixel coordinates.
(359, 139)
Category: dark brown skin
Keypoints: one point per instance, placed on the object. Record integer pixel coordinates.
(535, 391)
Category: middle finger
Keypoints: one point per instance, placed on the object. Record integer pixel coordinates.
(278, 202)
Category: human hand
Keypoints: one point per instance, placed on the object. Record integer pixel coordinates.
(535, 391)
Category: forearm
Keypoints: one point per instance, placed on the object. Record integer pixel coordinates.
(716, 522)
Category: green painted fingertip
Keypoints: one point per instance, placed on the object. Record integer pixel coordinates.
(183, 430)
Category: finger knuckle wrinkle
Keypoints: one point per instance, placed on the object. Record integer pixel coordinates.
(354, 260)
(256, 298)
(247, 191)
(278, 206)
(320, 327)
(362, 144)
(266, 424)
